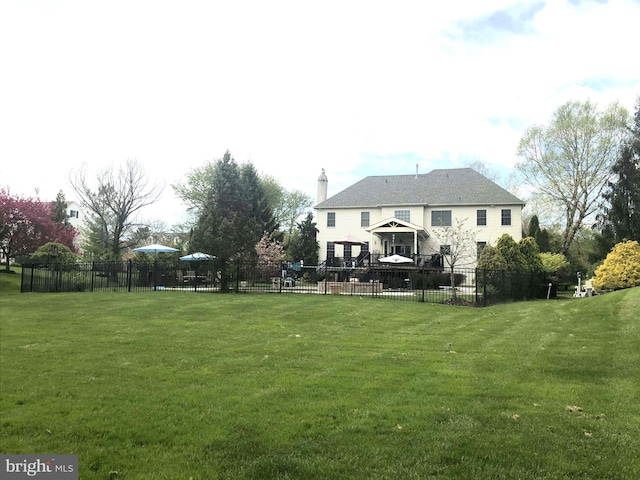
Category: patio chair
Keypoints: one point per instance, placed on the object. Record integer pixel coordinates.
(180, 276)
(190, 276)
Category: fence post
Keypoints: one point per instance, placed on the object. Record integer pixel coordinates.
(155, 274)
(476, 289)
(22, 275)
(129, 274)
(484, 287)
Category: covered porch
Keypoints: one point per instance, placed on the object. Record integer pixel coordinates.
(398, 237)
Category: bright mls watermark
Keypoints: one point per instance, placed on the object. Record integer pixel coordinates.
(47, 467)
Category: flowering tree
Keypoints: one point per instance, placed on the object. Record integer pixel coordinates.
(26, 224)
(459, 247)
(270, 254)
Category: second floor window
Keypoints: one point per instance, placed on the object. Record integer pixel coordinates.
(482, 218)
(364, 219)
(506, 217)
(441, 218)
(74, 214)
(331, 219)
(404, 215)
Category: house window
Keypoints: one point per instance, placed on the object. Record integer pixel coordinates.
(347, 251)
(441, 218)
(74, 214)
(481, 218)
(364, 219)
(331, 250)
(404, 215)
(331, 219)
(506, 217)
(445, 249)
(480, 247)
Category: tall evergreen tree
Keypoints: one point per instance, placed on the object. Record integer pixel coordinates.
(534, 226)
(510, 251)
(621, 217)
(59, 211)
(235, 215)
(531, 253)
(540, 235)
(303, 244)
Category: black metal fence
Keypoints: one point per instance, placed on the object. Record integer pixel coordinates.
(399, 282)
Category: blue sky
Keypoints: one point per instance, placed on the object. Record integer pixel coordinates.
(356, 88)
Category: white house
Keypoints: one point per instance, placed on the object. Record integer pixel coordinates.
(404, 214)
(75, 213)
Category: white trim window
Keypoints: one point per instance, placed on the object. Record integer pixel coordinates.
(506, 217)
(404, 215)
(441, 218)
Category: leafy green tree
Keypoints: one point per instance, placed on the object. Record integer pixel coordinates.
(303, 244)
(194, 190)
(294, 205)
(621, 268)
(555, 262)
(567, 161)
(621, 216)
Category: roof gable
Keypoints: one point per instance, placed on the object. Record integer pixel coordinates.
(457, 186)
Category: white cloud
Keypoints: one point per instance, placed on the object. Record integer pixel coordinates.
(294, 86)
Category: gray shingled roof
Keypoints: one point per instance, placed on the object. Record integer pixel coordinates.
(456, 186)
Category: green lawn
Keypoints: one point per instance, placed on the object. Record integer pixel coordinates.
(180, 385)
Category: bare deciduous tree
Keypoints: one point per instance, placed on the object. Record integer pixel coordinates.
(568, 162)
(461, 247)
(112, 204)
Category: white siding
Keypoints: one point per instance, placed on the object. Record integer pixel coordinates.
(348, 223)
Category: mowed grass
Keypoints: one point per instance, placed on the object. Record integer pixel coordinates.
(180, 385)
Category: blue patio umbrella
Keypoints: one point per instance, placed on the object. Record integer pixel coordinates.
(155, 248)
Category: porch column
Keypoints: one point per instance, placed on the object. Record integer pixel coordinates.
(415, 242)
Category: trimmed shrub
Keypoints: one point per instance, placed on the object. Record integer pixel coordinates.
(621, 268)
